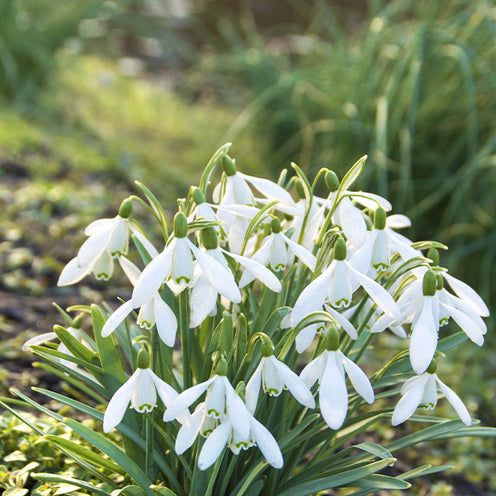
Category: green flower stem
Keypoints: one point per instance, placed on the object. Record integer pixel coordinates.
(213, 475)
(185, 339)
(149, 446)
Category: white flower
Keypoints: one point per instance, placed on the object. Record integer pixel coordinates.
(336, 285)
(315, 220)
(141, 391)
(154, 311)
(175, 267)
(274, 376)
(329, 369)
(422, 389)
(275, 251)
(221, 432)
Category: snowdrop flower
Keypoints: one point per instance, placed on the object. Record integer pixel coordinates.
(422, 389)
(108, 239)
(221, 399)
(305, 337)
(153, 311)
(329, 369)
(382, 243)
(204, 293)
(141, 391)
(221, 432)
(337, 285)
(275, 250)
(274, 376)
(175, 267)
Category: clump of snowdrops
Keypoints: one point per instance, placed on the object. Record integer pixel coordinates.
(245, 361)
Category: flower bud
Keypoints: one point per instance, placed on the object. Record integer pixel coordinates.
(228, 165)
(180, 225)
(430, 283)
(332, 180)
(143, 359)
(340, 249)
(276, 225)
(440, 281)
(209, 238)
(221, 367)
(126, 208)
(198, 196)
(332, 340)
(380, 219)
(433, 254)
(432, 367)
(267, 348)
(76, 323)
(300, 190)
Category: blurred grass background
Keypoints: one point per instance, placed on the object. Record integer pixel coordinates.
(98, 93)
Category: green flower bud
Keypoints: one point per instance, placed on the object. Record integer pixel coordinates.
(209, 238)
(300, 190)
(332, 340)
(221, 367)
(432, 367)
(430, 283)
(228, 165)
(198, 196)
(76, 323)
(180, 225)
(340, 249)
(276, 225)
(440, 281)
(143, 359)
(126, 208)
(380, 218)
(433, 254)
(332, 180)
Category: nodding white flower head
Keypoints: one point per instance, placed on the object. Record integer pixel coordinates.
(423, 390)
(153, 311)
(382, 243)
(329, 370)
(175, 267)
(141, 391)
(274, 376)
(276, 250)
(305, 337)
(337, 284)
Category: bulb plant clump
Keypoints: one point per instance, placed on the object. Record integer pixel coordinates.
(245, 361)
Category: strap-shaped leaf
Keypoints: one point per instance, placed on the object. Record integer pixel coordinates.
(43, 477)
(77, 348)
(374, 449)
(211, 164)
(351, 176)
(378, 482)
(162, 491)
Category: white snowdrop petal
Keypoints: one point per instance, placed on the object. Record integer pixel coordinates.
(471, 329)
(118, 404)
(37, 340)
(423, 341)
(295, 384)
(358, 378)
(302, 253)
(116, 318)
(266, 443)
(269, 189)
(253, 389)
(203, 300)
(351, 222)
(305, 337)
(410, 401)
(313, 370)
(92, 248)
(456, 402)
(342, 321)
(153, 276)
(98, 225)
(219, 277)
(380, 296)
(188, 433)
(73, 273)
(147, 245)
(132, 272)
(185, 399)
(465, 292)
(370, 200)
(398, 221)
(214, 445)
(333, 394)
(165, 320)
(237, 411)
(263, 274)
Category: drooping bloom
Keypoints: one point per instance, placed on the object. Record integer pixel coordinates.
(141, 391)
(329, 370)
(274, 376)
(423, 390)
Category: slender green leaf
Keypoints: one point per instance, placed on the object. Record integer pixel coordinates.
(67, 480)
